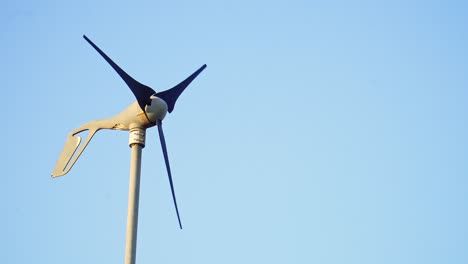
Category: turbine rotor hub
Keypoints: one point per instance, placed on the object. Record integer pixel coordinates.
(156, 110)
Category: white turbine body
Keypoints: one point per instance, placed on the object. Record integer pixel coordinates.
(132, 117)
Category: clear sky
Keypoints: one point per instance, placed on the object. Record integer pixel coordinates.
(320, 132)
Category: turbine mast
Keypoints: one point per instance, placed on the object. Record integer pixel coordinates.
(136, 143)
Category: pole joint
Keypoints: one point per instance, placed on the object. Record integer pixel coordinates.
(137, 136)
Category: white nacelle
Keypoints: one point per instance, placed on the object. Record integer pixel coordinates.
(133, 117)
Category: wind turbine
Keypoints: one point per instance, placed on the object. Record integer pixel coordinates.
(147, 111)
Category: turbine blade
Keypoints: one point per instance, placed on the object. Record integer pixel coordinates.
(168, 167)
(170, 96)
(141, 91)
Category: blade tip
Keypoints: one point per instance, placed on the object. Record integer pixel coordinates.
(87, 39)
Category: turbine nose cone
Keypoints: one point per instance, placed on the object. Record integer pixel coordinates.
(157, 110)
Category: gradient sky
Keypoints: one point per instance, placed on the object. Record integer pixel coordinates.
(321, 132)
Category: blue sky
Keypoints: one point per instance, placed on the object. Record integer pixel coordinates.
(321, 132)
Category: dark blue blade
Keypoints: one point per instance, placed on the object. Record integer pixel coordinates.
(168, 167)
(141, 91)
(170, 96)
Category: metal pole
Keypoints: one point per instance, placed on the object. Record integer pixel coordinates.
(137, 143)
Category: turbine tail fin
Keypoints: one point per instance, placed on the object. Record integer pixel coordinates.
(71, 152)
(72, 149)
